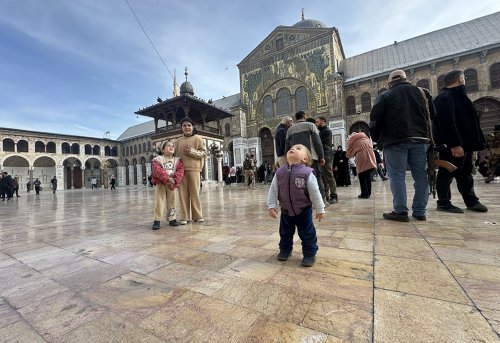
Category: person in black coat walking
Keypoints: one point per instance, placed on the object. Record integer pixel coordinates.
(457, 125)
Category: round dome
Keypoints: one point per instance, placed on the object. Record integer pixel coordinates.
(309, 23)
(186, 87)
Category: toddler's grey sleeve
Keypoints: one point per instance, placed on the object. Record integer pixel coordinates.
(314, 194)
(272, 197)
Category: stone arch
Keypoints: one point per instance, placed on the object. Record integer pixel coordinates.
(107, 150)
(88, 149)
(266, 145)
(65, 148)
(19, 166)
(73, 173)
(22, 145)
(50, 147)
(44, 168)
(8, 145)
(39, 146)
(96, 150)
(75, 148)
(366, 102)
(283, 101)
(143, 168)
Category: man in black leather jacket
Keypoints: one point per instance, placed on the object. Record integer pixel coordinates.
(400, 123)
(457, 125)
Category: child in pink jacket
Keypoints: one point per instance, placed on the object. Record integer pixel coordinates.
(167, 174)
(360, 146)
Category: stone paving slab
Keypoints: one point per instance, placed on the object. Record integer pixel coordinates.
(86, 267)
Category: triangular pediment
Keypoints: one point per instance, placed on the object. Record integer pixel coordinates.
(291, 37)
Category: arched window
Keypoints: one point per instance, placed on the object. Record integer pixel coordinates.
(301, 99)
(126, 151)
(114, 151)
(88, 149)
(279, 42)
(471, 80)
(140, 148)
(284, 101)
(424, 83)
(381, 90)
(366, 102)
(75, 148)
(135, 149)
(440, 82)
(149, 146)
(227, 130)
(22, 146)
(8, 145)
(39, 146)
(107, 151)
(495, 75)
(350, 105)
(267, 107)
(144, 146)
(51, 147)
(65, 148)
(96, 150)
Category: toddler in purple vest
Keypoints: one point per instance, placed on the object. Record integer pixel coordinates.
(296, 189)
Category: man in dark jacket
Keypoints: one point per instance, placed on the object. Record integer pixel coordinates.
(307, 134)
(280, 139)
(325, 134)
(457, 125)
(400, 123)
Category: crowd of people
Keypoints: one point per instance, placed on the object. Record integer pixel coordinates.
(404, 122)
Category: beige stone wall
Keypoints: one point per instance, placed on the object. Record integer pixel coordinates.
(432, 72)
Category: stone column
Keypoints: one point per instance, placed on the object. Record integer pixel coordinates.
(148, 169)
(60, 175)
(131, 175)
(82, 168)
(120, 174)
(72, 169)
(205, 169)
(219, 169)
(138, 167)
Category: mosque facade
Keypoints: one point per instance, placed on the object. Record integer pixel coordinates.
(297, 67)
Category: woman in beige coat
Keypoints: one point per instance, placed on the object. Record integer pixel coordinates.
(191, 150)
(360, 146)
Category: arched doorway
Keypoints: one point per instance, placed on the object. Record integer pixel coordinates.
(267, 145)
(489, 113)
(44, 168)
(18, 166)
(73, 175)
(360, 126)
(93, 168)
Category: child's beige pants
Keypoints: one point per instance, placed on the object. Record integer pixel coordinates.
(164, 199)
(189, 196)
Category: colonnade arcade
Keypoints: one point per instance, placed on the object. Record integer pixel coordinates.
(72, 172)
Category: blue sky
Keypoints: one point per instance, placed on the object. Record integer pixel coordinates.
(84, 66)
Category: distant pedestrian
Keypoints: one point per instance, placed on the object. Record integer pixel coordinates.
(38, 186)
(16, 186)
(112, 182)
(28, 186)
(93, 182)
(53, 182)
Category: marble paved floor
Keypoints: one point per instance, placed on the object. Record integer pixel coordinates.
(84, 266)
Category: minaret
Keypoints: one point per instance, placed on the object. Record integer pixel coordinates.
(176, 86)
(302, 14)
